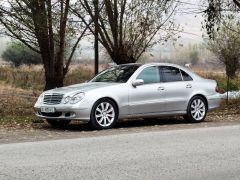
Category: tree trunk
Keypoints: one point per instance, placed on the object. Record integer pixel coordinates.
(231, 69)
(54, 75)
(53, 82)
(123, 59)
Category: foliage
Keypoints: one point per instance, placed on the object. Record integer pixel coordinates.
(218, 11)
(190, 53)
(19, 54)
(194, 57)
(128, 28)
(233, 85)
(226, 45)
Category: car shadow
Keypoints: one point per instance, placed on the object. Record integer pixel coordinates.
(123, 124)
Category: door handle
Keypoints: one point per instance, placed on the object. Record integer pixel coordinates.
(189, 86)
(160, 88)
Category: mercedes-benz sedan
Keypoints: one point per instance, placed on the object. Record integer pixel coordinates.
(131, 91)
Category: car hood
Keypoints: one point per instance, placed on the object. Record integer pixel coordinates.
(80, 88)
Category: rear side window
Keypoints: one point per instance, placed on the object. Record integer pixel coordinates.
(170, 74)
(186, 76)
(150, 75)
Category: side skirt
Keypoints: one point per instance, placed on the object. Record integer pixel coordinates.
(171, 113)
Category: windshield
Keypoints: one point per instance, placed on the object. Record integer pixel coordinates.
(119, 74)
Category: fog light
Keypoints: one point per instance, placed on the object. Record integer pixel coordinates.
(68, 114)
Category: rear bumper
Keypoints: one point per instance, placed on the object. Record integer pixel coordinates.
(214, 101)
(65, 113)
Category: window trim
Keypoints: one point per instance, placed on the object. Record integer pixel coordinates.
(187, 74)
(181, 74)
(163, 77)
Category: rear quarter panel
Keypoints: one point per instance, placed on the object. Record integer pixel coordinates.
(207, 88)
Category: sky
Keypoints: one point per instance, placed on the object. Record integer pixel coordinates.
(190, 22)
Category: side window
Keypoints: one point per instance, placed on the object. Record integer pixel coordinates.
(170, 74)
(150, 75)
(186, 76)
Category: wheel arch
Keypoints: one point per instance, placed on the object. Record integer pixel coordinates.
(111, 99)
(201, 95)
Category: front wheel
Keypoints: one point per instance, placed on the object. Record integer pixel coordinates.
(58, 123)
(197, 110)
(104, 114)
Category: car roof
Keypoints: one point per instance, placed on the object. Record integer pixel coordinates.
(155, 64)
(147, 64)
(187, 70)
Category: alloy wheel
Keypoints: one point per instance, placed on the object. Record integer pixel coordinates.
(198, 109)
(105, 114)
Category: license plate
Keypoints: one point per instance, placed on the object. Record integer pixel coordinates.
(48, 109)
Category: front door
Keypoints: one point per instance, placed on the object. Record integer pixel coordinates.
(147, 98)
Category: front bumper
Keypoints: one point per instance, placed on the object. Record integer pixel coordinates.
(63, 112)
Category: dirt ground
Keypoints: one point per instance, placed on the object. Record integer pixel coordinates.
(41, 131)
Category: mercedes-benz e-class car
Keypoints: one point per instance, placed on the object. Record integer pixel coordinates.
(131, 91)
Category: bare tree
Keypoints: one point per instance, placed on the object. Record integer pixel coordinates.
(42, 26)
(226, 45)
(128, 27)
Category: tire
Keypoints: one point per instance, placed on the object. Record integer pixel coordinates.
(58, 123)
(197, 110)
(104, 114)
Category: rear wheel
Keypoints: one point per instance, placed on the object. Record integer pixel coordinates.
(197, 110)
(58, 123)
(104, 114)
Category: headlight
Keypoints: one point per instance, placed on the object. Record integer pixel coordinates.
(66, 99)
(76, 98)
(40, 98)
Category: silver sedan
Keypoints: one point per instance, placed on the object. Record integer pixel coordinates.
(131, 91)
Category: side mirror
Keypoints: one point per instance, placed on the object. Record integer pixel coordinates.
(137, 82)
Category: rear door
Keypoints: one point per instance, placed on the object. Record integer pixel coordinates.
(178, 87)
(147, 98)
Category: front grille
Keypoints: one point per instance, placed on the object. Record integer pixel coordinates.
(56, 114)
(52, 98)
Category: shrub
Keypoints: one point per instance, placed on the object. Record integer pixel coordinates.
(19, 54)
(234, 85)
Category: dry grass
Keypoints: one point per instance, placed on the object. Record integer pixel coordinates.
(16, 106)
(33, 77)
